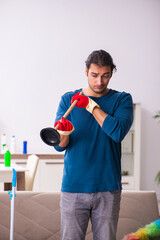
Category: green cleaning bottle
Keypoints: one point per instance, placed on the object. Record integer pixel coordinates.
(7, 159)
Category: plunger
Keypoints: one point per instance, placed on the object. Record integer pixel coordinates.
(50, 135)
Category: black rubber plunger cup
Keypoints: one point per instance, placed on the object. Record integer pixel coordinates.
(49, 135)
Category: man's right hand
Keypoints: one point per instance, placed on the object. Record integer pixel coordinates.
(65, 127)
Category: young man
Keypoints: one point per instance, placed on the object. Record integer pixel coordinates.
(91, 137)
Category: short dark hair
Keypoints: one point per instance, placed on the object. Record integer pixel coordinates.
(100, 58)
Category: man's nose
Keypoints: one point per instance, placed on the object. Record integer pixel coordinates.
(99, 80)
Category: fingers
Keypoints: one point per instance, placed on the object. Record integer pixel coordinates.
(64, 125)
(75, 97)
(83, 101)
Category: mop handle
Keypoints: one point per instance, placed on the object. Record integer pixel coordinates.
(69, 109)
(14, 178)
(12, 196)
(12, 214)
(13, 183)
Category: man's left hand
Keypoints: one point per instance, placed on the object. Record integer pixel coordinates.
(84, 102)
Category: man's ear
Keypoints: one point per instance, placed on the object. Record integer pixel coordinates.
(86, 71)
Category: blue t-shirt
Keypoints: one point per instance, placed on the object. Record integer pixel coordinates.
(92, 160)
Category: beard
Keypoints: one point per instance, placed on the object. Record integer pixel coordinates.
(99, 89)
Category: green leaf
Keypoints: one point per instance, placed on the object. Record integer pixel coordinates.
(157, 116)
(157, 178)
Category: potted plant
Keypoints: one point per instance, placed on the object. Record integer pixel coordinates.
(157, 116)
(157, 178)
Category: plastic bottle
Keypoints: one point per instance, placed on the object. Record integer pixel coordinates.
(3, 143)
(13, 145)
(24, 147)
(7, 158)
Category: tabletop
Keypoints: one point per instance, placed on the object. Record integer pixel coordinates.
(17, 167)
(6, 175)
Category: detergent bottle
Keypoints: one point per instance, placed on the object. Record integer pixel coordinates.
(7, 159)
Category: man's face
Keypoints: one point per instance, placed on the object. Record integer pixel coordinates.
(98, 79)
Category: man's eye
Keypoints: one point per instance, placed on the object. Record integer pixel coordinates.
(94, 75)
(106, 76)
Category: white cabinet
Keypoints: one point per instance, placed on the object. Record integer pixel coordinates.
(49, 176)
(131, 153)
(49, 172)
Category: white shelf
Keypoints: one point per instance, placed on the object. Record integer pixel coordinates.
(131, 153)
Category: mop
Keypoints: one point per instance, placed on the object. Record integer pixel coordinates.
(12, 198)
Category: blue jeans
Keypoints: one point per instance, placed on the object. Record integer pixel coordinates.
(102, 208)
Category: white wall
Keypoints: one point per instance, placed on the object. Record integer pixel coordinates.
(43, 47)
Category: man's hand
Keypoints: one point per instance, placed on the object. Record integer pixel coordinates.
(65, 127)
(84, 102)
